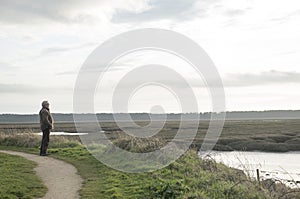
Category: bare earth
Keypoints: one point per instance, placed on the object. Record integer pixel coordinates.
(59, 177)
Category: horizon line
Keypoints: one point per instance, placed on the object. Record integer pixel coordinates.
(240, 111)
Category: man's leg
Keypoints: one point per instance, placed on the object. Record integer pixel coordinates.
(42, 149)
(45, 141)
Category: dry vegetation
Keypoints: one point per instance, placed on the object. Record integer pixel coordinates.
(31, 140)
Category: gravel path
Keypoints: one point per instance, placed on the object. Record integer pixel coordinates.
(59, 177)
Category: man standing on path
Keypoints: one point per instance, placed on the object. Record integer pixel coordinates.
(46, 122)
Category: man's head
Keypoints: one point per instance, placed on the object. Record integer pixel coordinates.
(45, 104)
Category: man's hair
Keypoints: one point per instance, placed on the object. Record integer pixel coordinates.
(45, 103)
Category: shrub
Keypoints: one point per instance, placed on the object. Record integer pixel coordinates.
(135, 144)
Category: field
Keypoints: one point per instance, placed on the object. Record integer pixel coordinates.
(188, 177)
(246, 135)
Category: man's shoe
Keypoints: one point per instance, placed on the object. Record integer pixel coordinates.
(46, 154)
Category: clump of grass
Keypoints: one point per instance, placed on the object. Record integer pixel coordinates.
(191, 177)
(278, 190)
(20, 139)
(136, 144)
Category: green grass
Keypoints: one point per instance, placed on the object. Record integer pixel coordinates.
(18, 180)
(188, 177)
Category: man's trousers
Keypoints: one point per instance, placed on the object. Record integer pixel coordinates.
(45, 142)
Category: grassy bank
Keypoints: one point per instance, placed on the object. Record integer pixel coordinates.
(188, 177)
(18, 179)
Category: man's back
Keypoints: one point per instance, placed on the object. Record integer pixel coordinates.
(46, 120)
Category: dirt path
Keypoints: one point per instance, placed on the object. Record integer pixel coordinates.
(59, 177)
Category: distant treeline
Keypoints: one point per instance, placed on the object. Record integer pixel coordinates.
(60, 117)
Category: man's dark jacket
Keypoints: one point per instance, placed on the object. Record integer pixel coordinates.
(46, 119)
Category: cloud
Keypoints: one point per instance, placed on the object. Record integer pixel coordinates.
(4, 65)
(158, 9)
(272, 77)
(57, 49)
(7, 68)
(234, 12)
(287, 52)
(264, 78)
(286, 17)
(16, 88)
(70, 72)
(41, 11)
(29, 89)
(97, 69)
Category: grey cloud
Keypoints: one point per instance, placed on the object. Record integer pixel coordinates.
(255, 79)
(57, 49)
(28, 89)
(93, 70)
(8, 68)
(287, 52)
(287, 17)
(70, 72)
(5, 65)
(16, 88)
(159, 9)
(240, 79)
(32, 12)
(234, 12)
(264, 78)
(40, 11)
(229, 80)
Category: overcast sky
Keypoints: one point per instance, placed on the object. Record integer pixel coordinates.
(253, 43)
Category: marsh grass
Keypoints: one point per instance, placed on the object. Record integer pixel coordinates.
(248, 135)
(29, 139)
(136, 144)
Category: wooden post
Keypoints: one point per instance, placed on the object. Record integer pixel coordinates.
(257, 175)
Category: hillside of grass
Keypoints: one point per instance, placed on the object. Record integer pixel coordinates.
(18, 179)
(188, 177)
